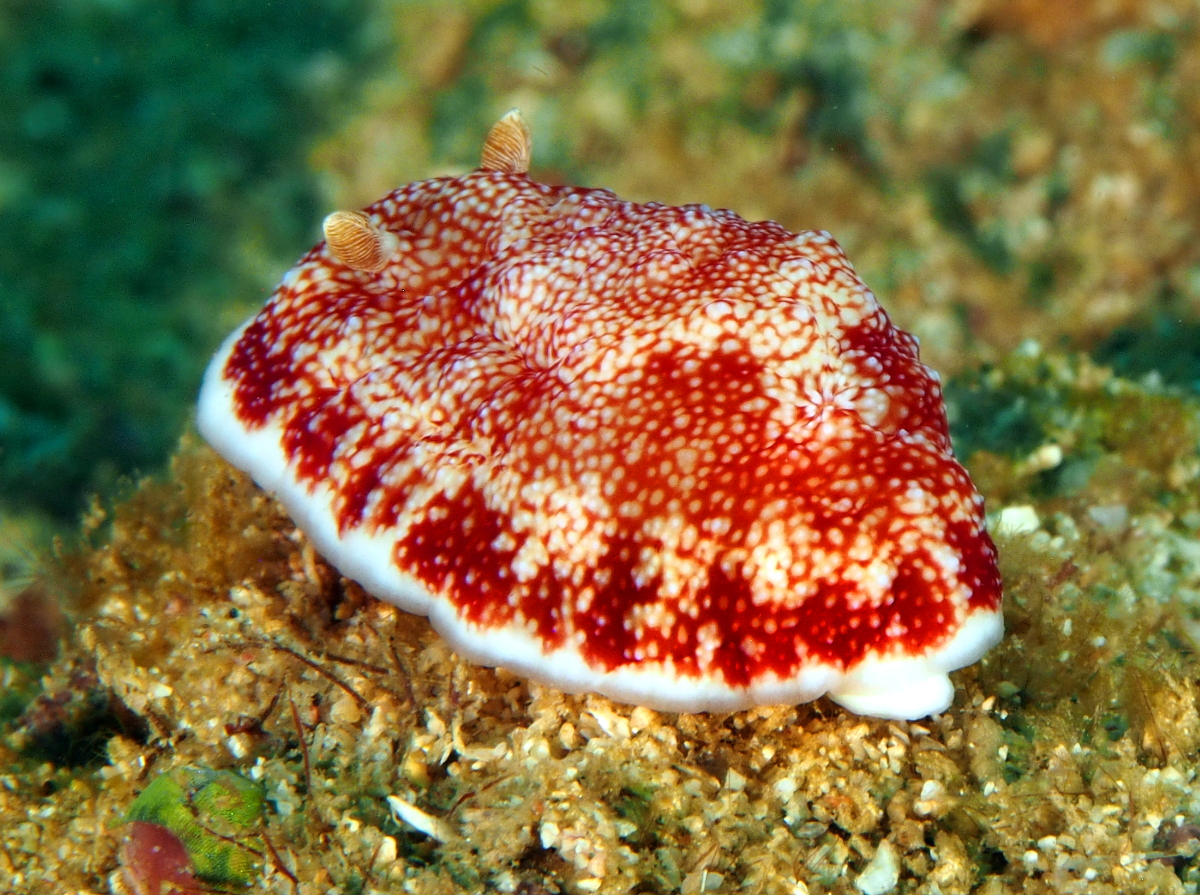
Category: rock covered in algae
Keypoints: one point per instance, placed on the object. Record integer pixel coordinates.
(386, 762)
(214, 814)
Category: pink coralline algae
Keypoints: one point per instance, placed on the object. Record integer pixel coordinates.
(660, 453)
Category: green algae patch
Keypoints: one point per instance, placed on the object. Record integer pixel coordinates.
(138, 192)
(19, 685)
(213, 813)
(1068, 433)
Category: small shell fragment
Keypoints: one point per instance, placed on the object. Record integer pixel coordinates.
(431, 826)
(882, 873)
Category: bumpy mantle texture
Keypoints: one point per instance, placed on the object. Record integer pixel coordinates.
(660, 453)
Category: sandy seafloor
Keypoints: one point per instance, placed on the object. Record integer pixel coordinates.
(1016, 181)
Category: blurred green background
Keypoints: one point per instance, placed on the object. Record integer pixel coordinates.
(153, 166)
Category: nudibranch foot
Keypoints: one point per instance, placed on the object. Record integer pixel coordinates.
(664, 454)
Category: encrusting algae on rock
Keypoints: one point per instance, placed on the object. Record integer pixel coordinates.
(192, 824)
(386, 762)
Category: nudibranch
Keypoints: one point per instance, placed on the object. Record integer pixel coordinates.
(659, 453)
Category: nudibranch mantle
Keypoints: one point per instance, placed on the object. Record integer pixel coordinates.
(660, 453)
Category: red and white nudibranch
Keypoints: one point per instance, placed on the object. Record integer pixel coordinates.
(659, 453)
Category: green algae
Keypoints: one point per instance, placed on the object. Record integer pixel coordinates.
(213, 813)
(20, 682)
(1109, 439)
(154, 164)
(954, 192)
(1165, 347)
